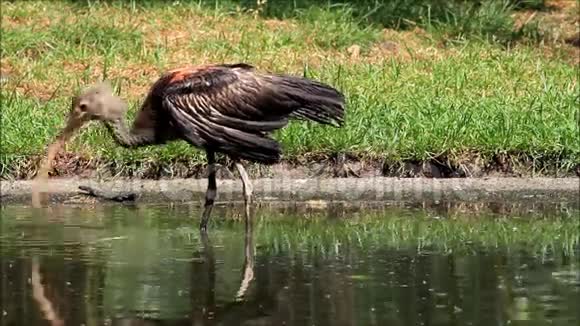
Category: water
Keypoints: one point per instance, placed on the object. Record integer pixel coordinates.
(123, 265)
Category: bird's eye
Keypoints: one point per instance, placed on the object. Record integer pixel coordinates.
(83, 107)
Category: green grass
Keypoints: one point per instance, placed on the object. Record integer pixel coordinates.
(421, 100)
(455, 19)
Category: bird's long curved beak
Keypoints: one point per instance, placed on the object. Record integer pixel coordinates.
(75, 121)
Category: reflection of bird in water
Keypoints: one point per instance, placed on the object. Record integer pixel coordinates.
(244, 309)
(39, 295)
(229, 109)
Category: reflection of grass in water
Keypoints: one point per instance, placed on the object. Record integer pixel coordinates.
(538, 236)
(538, 232)
(149, 257)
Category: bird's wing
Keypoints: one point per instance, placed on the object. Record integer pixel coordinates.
(224, 109)
(230, 108)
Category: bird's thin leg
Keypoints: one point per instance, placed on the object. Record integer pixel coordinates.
(247, 188)
(211, 190)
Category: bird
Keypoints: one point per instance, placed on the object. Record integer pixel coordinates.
(229, 109)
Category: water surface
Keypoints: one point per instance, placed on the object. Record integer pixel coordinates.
(148, 265)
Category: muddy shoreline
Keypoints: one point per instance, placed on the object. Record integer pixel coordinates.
(470, 165)
(468, 190)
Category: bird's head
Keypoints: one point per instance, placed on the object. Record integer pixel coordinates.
(96, 103)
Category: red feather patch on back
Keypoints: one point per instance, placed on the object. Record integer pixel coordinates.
(179, 74)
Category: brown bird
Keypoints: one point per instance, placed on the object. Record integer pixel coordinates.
(225, 108)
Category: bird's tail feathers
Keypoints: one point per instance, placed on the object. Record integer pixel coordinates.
(313, 100)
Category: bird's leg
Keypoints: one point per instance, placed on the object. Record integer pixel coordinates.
(211, 190)
(247, 187)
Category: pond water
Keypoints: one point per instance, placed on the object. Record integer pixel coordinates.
(397, 265)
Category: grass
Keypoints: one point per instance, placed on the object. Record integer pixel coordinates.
(455, 19)
(410, 96)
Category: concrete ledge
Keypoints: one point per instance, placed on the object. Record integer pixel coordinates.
(339, 189)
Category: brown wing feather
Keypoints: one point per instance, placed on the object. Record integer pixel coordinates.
(231, 108)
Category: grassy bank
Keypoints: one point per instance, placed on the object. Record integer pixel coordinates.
(414, 94)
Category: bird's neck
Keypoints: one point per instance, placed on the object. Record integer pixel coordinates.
(129, 138)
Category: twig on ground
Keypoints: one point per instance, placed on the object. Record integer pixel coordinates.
(123, 197)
